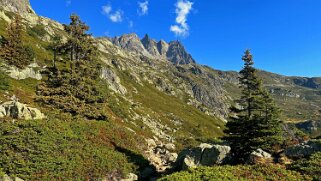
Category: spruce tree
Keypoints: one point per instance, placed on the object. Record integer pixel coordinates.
(73, 88)
(13, 50)
(254, 121)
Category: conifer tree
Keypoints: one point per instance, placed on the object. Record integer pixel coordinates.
(55, 46)
(13, 50)
(254, 122)
(74, 89)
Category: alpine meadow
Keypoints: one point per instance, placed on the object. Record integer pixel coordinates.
(87, 94)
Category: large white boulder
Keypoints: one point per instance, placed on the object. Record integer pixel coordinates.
(17, 110)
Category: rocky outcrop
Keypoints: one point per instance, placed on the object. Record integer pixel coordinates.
(304, 149)
(31, 71)
(173, 51)
(162, 47)
(160, 155)
(130, 177)
(17, 6)
(177, 54)
(311, 127)
(259, 157)
(7, 178)
(203, 155)
(314, 83)
(17, 110)
(113, 81)
(130, 42)
(150, 45)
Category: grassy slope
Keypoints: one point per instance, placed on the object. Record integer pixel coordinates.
(63, 147)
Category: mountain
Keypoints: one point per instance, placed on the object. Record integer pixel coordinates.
(173, 51)
(157, 95)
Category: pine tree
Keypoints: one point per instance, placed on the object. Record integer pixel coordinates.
(74, 89)
(55, 46)
(13, 50)
(254, 122)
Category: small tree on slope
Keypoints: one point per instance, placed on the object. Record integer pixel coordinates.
(73, 88)
(254, 121)
(13, 50)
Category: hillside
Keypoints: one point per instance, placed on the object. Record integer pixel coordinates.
(156, 93)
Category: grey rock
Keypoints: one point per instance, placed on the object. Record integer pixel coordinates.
(17, 110)
(150, 45)
(311, 127)
(162, 47)
(170, 146)
(28, 72)
(131, 177)
(259, 156)
(304, 149)
(177, 54)
(17, 6)
(215, 155)
(7, 178)
(113, 81)
(203, 155)
(130, 42)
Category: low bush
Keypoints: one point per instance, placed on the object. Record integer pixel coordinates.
(4, 83)
(62, 150)
(310, 166)
(37, 31)
(240, 172)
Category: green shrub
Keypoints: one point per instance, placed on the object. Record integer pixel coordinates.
(37, 31)
(4, 83)
(29, 53)
(240, 172)
(310, 166)
(59, 150)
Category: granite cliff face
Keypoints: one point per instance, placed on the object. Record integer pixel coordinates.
(17, 6)
(173, 51)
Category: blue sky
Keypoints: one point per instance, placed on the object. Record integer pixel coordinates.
(284, 35)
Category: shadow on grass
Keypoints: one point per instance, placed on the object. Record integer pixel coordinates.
(145, 170)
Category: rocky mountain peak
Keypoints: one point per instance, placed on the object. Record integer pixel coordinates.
(177, 54)
(174, 51)
(162, 47)
(150, 45)
(130, 42)
(18, 6)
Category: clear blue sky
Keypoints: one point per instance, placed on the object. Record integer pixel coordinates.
(284, 35)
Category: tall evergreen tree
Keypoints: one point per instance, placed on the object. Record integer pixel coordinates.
(13, 50)
(254, 122)
(74, 89)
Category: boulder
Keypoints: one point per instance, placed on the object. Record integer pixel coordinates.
(28, 72)
(170, 146)
(7, 178)
(131, 177)
(304, 149)
(259, 156)
(17, 110)
(203, 155)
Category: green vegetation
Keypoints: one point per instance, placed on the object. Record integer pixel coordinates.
(4, 83)
(310, 166)
(254, 122)
(64, 150)
(226, 173)
(37, 31)
(74, 90)
(13, 51)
